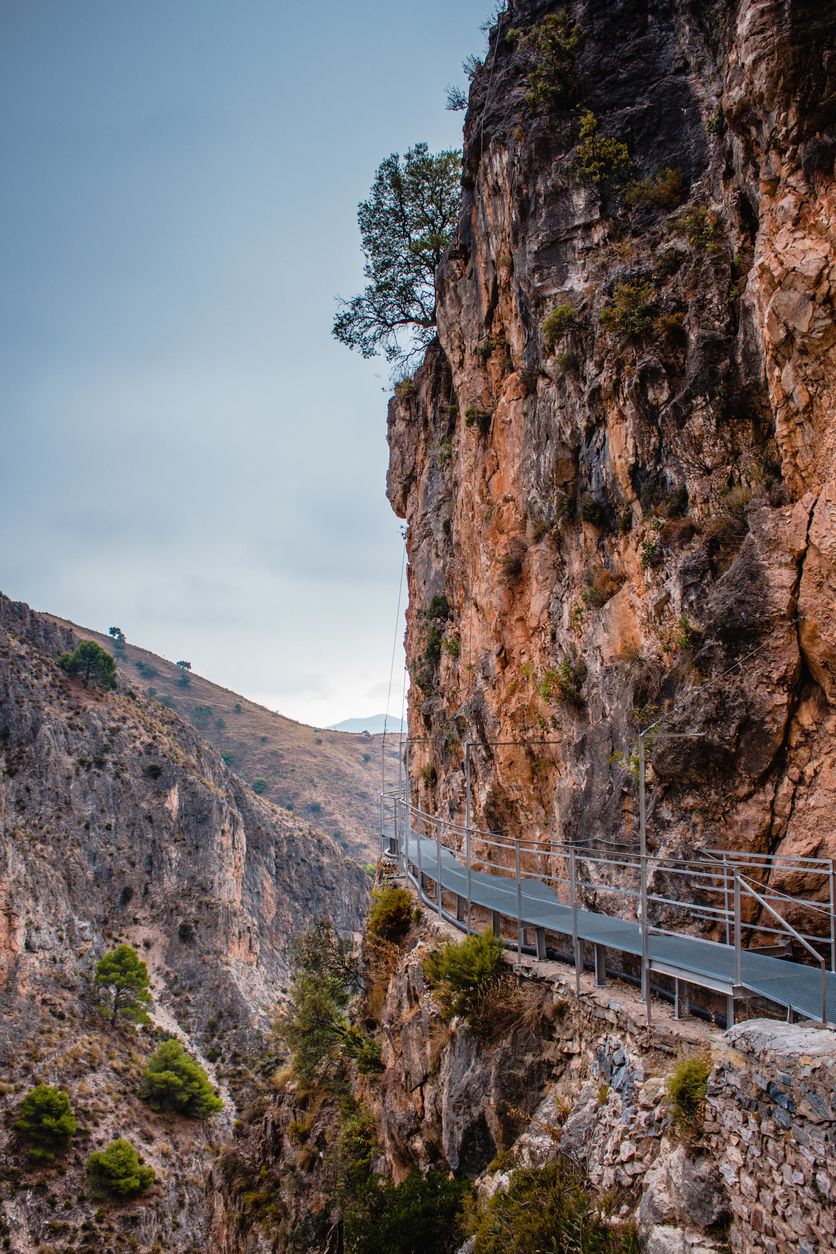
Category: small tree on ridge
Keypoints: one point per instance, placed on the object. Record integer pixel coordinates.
(123, 977)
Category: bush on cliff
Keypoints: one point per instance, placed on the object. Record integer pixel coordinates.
(459, 973)
(45, 1122)
(391, 914)
(422, 1215)
(175, 1081)
(687, 1089)
(549, 1209)
(123, 977)
(118, 1172)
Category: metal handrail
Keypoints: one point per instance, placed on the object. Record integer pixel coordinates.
(737, 944)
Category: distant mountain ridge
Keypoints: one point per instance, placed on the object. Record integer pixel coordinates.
(374, 725)
(324, 777)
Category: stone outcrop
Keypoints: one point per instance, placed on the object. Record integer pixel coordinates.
(119, 823)
(607, 515)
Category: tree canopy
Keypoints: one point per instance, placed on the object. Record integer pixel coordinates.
(173, 1080)
(118, 1171)
(123, 977)
(45, 1121)
(405, 226)
(91, 662)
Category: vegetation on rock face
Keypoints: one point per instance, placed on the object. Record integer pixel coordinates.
(118, 1172)
(405, 227)
(460, 972)
(92, 662)
(45, 1122)
(552, 81)
(422, 1215)
(175, 1081)
(561, 319)
(630, 310)
(313, 1024)
(549, 1209)
(687, 1089)
(664, 190)
(391, 913)
(123, 977)
(602, 160)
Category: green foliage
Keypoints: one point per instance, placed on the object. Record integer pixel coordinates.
(227, 757)
(404, 388)
(313, 1024)
(481, 418)
(146, 670)
(118, 1172)
(630, 310)
(549, 1209)
(665, 190)
(651, 553)
(123, 977)
(422, 1215)
(460, 972)
(391, 913)
(592, 510)
(201, 714)
(553, 80)
(45, 1121)
(687, 1089)
(702, 227)
(602, 160)
(716, 124)
(555, 325)
(175, 1081)
(405, 226)
(92, 663)
(564, 682)
(259, 786)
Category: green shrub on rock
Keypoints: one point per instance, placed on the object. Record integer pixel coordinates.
(549, 1209)
(175, 1081)
(459, 973)
(118, 1172)
(46, 1123)
(687, 1089)
(421, 1215)
(391, 913)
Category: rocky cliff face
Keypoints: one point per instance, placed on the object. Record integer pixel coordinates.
(118, 822)
(611, 505)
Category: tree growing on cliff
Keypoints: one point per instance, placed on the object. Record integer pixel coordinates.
(123, 978)
(45, 1122)
(118, 1172)
(405, 226)
(92, 663)
(173, 1080)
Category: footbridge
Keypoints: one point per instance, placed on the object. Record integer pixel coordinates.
(768, 923)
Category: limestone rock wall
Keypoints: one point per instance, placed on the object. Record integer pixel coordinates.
(600, 527)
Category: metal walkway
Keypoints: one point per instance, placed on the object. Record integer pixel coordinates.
(533, 904)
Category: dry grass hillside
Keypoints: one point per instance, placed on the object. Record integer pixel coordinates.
(331, 779)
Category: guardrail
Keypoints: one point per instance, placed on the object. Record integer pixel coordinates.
(719, 893)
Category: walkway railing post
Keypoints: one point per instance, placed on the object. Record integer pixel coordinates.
(738, 939)
(643, 869)
(418, 839)
(467, 815)
(573, 888)
(438, 866)
(519, 896)
(726, 898)
(832, 915)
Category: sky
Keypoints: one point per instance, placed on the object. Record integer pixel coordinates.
(186, 453)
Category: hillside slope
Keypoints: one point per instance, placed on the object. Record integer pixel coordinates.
(118, 822)
(330, 778)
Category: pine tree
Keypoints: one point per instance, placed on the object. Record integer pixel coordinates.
(123, 977)
(173, 1080)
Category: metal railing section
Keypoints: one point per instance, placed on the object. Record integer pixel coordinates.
(666, 895)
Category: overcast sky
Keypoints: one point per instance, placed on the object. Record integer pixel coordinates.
(186, 452)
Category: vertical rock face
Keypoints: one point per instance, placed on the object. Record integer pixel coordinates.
(612, 507)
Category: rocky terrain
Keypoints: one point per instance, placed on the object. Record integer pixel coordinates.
(119, 822)
(328, 778)
(551, 1075)
(617, 461)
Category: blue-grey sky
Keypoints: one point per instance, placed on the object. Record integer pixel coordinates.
(186, 453)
